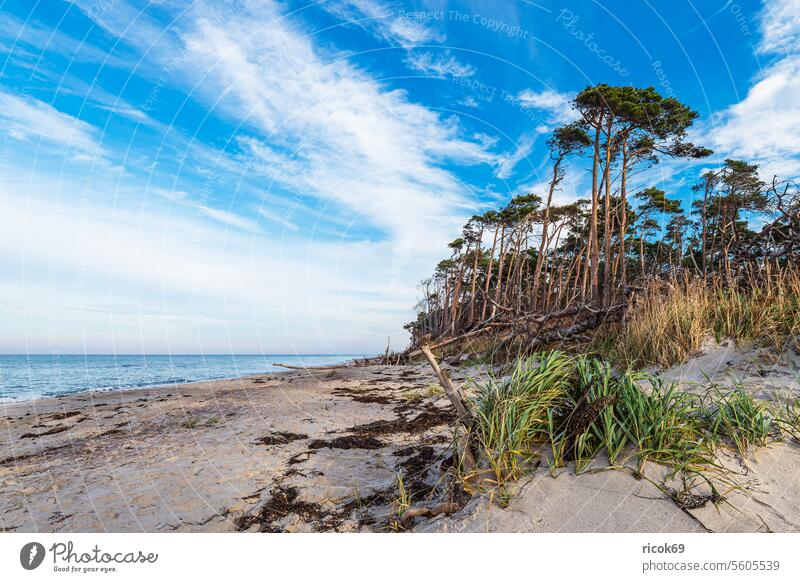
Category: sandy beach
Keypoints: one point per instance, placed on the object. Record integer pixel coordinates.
(322, 447)
(321, 451)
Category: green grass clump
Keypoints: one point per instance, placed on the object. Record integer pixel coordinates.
(402, 501)
(666, 424)
(662, 424)
(789, 419)
(574, 409)
(512, 413)
(738, 418)
(196, 422)
(579, 408)
(191, 422)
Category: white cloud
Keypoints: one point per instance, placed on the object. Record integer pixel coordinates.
(33, 34)
(765, 126)
(333, 132)
(31, 120)
(112, 278)
(311, 125)
(555, 105)
(779, 26)
(509, 162)
(438, 65)
(384, 22)
(225, 217)
(281, 219)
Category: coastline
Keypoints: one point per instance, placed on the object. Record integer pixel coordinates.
(208, 456)
(9, 403)
(28, 377)
(321, 450)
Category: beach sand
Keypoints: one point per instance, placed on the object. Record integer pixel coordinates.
(761, 491)
(321, 450)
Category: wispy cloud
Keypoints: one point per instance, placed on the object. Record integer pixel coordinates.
(33, 121)
(225, 217)
(278, 218)
(765, 125)
(441, 65)
(384, 22)
(343, 136)
(779, 24)
(555, 105)
(321, 138)
(113, 279)
(508, 162)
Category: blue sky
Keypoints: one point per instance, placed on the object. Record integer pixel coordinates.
(259, 176)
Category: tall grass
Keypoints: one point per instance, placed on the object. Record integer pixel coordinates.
(764, 309)
(660, 424)
(575, 409)
(788, 419)
(511, 413)
(739, 418)
(670, 320)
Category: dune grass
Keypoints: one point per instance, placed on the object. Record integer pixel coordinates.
(512, 413)
(738, 418)
(614, 414)
(789, 419)
(577, 408)
(670, 320)
(401, 502)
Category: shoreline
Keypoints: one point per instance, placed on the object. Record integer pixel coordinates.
(129, 389)
(219, 455)
(321, 450)
(8, 400)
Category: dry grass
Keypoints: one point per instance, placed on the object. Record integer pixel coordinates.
(671, 319)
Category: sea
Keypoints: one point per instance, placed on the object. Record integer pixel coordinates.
(33, 376)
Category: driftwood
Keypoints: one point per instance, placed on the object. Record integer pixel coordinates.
(482, 328)
(413, 512)
(456, 398)
(493, 323)
(459, 403)
(583, 319)
(312, 368)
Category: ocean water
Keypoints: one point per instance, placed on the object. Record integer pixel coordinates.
(28, 377)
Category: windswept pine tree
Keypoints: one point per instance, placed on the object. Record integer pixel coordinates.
(538, 271)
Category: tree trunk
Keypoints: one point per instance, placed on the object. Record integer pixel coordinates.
(545, 224)
(459, 403)
(593, 242)
(499, 271)
(641, 250)
(478, 253)
(607, 221)
(704, 226)
(623, 219)
(489, 276)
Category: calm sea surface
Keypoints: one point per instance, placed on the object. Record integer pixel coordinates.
(27, 377)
